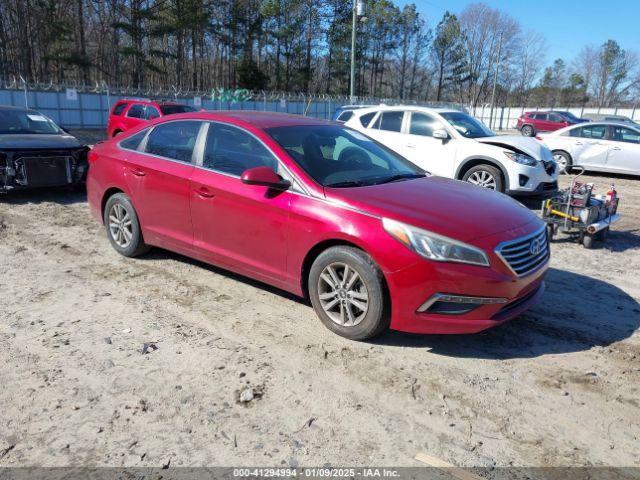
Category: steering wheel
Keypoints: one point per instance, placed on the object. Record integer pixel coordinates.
(355, 158)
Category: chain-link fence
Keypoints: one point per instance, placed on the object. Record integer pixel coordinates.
(87, 106)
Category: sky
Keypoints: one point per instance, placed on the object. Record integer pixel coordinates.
(567, 25)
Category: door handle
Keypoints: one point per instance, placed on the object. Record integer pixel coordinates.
(205, 193)
(137, 172)
(616, 148)
(578, 143)
(410, 145)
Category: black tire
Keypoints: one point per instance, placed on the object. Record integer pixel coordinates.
(480, 171)
(567, 161)
(528, 130)
(551, 231)
(116, 133)
(376, 318)
(602, 235)
(588, 241)
(136, 246)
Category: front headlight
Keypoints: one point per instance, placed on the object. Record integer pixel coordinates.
(433, 246)
(522, 159)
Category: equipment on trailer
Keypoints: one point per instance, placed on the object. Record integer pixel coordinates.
(576, 210)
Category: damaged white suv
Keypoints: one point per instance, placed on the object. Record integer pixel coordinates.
(453, 144)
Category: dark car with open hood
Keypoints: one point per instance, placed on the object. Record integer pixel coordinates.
(35, 152)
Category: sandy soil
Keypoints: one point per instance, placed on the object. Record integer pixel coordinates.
(558, 386)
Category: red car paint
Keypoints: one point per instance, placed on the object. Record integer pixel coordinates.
(122, 117)
(271, 236)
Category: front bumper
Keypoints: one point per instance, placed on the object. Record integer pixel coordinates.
(414, 286)
(42, 168)
(535, 181)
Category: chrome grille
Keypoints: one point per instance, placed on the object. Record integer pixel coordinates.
(525, 254)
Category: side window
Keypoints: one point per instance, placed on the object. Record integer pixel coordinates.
(622, 134)
(136, 111)
(540, 116)
(174, 140)
(344, 116)
(151, 113)
(365, 119)
(555, 118)
(133, 142)
(390, 121)
(422, 124)
(119, 108)
(232, 150)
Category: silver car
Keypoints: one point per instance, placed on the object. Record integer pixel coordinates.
(597, 146)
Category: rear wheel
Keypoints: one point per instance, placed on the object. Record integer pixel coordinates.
(528, 131)
(485, 176)
(123, 227)
(563, 159)
(347, 292)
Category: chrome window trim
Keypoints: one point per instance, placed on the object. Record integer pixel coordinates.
(536, 233)
(142, 142)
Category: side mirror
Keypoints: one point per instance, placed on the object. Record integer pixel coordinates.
(264, 176)
(440, 134)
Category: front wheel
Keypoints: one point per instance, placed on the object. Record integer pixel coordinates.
(347, 292)
(485, 176)
(123, 226)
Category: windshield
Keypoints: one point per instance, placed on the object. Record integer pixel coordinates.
(172, 109)
(336, 156)
(467, 125)
(26, 122)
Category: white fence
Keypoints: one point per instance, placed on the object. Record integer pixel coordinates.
(505, 118)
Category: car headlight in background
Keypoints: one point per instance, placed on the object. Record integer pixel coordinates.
(522, 159)
(433, 246)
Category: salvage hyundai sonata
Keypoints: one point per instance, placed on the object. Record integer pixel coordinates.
(325, 212)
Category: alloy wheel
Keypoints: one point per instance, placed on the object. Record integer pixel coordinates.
(482, 178)
(343, 294)
(120, 225)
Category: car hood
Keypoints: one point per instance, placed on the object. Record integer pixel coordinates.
(520, 144)
(452, 208)
(38, 141)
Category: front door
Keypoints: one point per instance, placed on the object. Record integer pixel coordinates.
(592, 148)
(158, 179)
(244, 227)
(624, 154)
(431, 154)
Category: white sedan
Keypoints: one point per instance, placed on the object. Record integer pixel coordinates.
(598, 146)
(453, 144)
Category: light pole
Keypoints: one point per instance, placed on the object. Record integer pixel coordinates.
(358, 11)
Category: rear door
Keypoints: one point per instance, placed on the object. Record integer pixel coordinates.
(387, 129)
(158, 180)
(134, 116)
(624, 151)
(242, 226)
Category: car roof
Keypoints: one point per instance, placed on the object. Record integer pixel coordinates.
(416, 108)
(11, 108)
(149, 102)
(591, 124)
(258, 119)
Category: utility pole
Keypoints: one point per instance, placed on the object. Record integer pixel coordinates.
(358, 10)
(495, 81)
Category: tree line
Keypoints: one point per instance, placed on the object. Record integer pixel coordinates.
(305, 46)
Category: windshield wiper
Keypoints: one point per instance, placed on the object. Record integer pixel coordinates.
(347, 183)
(401, 176)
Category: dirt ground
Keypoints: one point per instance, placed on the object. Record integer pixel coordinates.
(558, 386)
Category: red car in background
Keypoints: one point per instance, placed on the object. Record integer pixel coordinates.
(324, 212)
(130, 113)
(531, 123)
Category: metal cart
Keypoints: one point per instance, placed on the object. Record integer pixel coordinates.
(576, 210)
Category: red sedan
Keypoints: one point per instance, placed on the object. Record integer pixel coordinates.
(322, 211)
